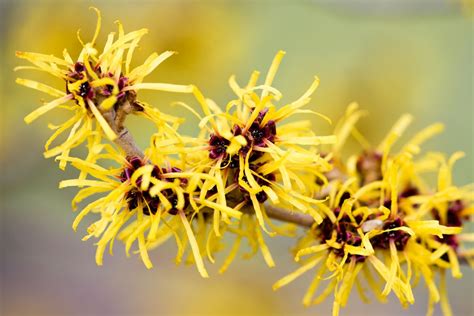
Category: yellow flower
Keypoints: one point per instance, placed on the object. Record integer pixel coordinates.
(253, 153)
(374, 161)
(451, 206)
(366, 238)
(102, 86)
(144, 200)
(383, 221)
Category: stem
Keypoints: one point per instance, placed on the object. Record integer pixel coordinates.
(126, 141)
(303, 220)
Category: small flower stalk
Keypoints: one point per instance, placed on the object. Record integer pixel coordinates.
(367, 221)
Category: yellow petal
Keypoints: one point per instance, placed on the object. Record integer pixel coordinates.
(169, 87)
(46, 108)
(40, 87)
(194, 245)
(102, 122)
(292, 276)
(272, 71)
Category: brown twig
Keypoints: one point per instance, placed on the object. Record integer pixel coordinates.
(126, 141)
(283, 215)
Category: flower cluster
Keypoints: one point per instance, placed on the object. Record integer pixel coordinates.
(371, 220)
(102, 86)
(389, 227)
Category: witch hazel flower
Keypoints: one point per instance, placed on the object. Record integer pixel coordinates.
(100, 88)
(144, 201)
(366, 243)
(250, 148)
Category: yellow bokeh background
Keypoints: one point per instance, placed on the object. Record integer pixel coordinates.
(392, 57)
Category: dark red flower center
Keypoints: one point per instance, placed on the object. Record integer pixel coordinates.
(150, 204)
(399, 237)
(256, 135)
(87, 92)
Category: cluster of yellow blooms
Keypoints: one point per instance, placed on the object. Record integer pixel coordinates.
(373, 221)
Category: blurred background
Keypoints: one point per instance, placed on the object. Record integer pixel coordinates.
(390, 56)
